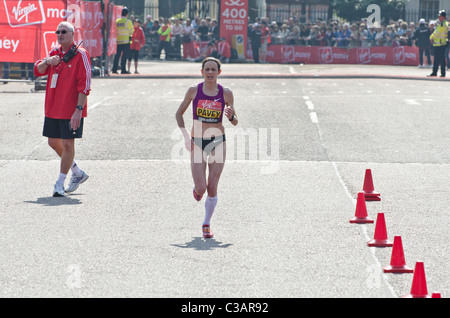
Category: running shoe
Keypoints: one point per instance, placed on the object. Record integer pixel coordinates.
(197, 196)
(76, 180)
(207, 231)
(58, 191)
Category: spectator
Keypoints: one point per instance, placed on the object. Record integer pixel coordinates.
(304, 35)
(214, 33)
(148, 26)
(422, 40)
(265, 41)
(164, 39)
(255, 40)
(380, 37)
(406, 40)
(275, 35)
(137, 42)
(329, 36)
(364, 35)
(354, 37)
(187, 39)
(176, 33)
(224, 50)
(389, 36)
(315, 37)
(402, 29)
(294, 36)
(344, 36)
(371, 35)
(284, 33)
(202, 31)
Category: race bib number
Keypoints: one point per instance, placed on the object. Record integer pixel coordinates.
(209, 110)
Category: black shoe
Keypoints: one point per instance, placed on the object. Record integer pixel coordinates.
(125, 72)
(442, 75)
(432, 75)
(115, 72)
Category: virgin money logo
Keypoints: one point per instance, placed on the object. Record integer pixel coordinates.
(22, 13)
(234, 3)
(287, 53)
(399, 55)
(363, 55)
(325, 55)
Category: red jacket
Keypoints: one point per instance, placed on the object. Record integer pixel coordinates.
(74, 77)
(138, 39)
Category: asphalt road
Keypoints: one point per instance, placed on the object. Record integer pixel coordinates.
(294, 167)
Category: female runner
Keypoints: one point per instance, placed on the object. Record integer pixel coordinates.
(210, 102)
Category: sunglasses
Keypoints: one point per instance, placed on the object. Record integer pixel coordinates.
(62, 32)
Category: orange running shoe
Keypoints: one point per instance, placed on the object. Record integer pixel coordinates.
(207, 231)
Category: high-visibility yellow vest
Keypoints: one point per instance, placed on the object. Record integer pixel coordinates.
(124, 29)
(439, 36)
(164, 33)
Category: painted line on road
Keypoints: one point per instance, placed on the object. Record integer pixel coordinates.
(99, 103)
(315, 120)
(312, 114)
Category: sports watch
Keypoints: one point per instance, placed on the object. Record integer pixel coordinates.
(79, 107)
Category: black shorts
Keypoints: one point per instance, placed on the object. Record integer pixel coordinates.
(133, 55)
(208, 144)
(60, 128)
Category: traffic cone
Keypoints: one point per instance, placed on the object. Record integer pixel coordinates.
(436, 295)
(419, 284)
(361, 211)
(380, 238)
(398, 264)
(368, 188)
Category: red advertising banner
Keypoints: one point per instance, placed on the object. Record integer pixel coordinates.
(233, 24)
(400, 55)
(87, 18)
(27, 28)
(112, 40)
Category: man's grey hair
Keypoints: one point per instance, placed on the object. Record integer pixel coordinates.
(68, 25)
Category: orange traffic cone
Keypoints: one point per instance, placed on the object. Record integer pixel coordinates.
(398, 264)
(368, 188)
(419, 284)
(380, 238)
(361, 211)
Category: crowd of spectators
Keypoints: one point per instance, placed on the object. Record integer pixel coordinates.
(183, 33)
(336, 34)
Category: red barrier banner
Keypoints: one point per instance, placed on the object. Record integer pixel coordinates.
(400, 55)
(233, 24)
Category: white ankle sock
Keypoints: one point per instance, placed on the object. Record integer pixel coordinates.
(75, 168)
(210, 205)
(62, 178)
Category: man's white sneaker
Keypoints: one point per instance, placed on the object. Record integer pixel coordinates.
(58, 191)
(76, 180)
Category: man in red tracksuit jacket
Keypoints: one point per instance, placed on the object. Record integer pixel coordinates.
(68, 84)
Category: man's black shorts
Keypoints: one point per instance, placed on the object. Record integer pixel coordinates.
(60, 128)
